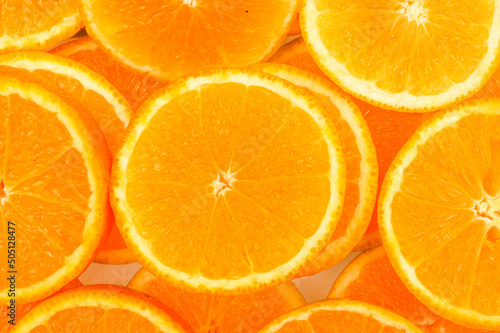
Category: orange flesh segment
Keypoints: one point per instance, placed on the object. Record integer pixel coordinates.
(49, 224)
(186, 37)
(340, 316)
(88, 102)
(361, 184)
(135, 87)
(389, 129)
(22, 309)
(208, 313)
(370, 278)
(426, 53)
(262, 141)
(461, 158)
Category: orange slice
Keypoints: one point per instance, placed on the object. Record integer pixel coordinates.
(53, 190)
(21, 309)
(223, 314)
(340, 316)
(405, 55)
(97, 309)
(37, 26)
(169, 40)
(439, 214)
(361, 163)
(370, 278)
(94, 97)
(135, 87)
(389, 130)
(255, 176)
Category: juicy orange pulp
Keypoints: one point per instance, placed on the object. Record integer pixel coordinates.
(135, 87)
(170, 40)
(371, 278)
(224, 314)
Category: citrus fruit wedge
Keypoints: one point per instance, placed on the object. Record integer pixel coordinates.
(12, 315)
(37, 26)
(99, 308)
(361, 163)
(53, 191)
(412, 56)
(340, 316)
(93, 96)
(370, 278)
(169, 40)
(135, 87)
(224, 314)
(255, 178)
(439, 214)
(389, 130)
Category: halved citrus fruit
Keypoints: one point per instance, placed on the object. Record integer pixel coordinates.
(223, 314)
(439, 214)
(91, 95)
(37, 26)
(255, 178)
(169, 40)
(135, 87)
(360, 157)
(389, 129)
(370, 278)
(340, 316)
(53, 191)
(412, 56)
(100, 308)
(15, 314)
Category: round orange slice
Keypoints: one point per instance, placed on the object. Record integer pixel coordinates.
(360, 157)
(135, 87)
(412, 56)
(89, 93)
(170, 40)
(100, 308)
(389, 130)
(241, 165)
(37, 26)
(13, 314)
(53, 192)
(370, 278)
(340, 316)
(439, 214)
(224, 314)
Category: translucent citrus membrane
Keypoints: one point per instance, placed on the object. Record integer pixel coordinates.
(135, 87)
(208, 313)
(184, 38)
(87, 102)
(451, 192)
(230, 160)
(46, 15)
(45, 192)
(430, 46)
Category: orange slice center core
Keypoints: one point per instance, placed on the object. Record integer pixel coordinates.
(488, 210)
(414, 11)
(223, 183)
